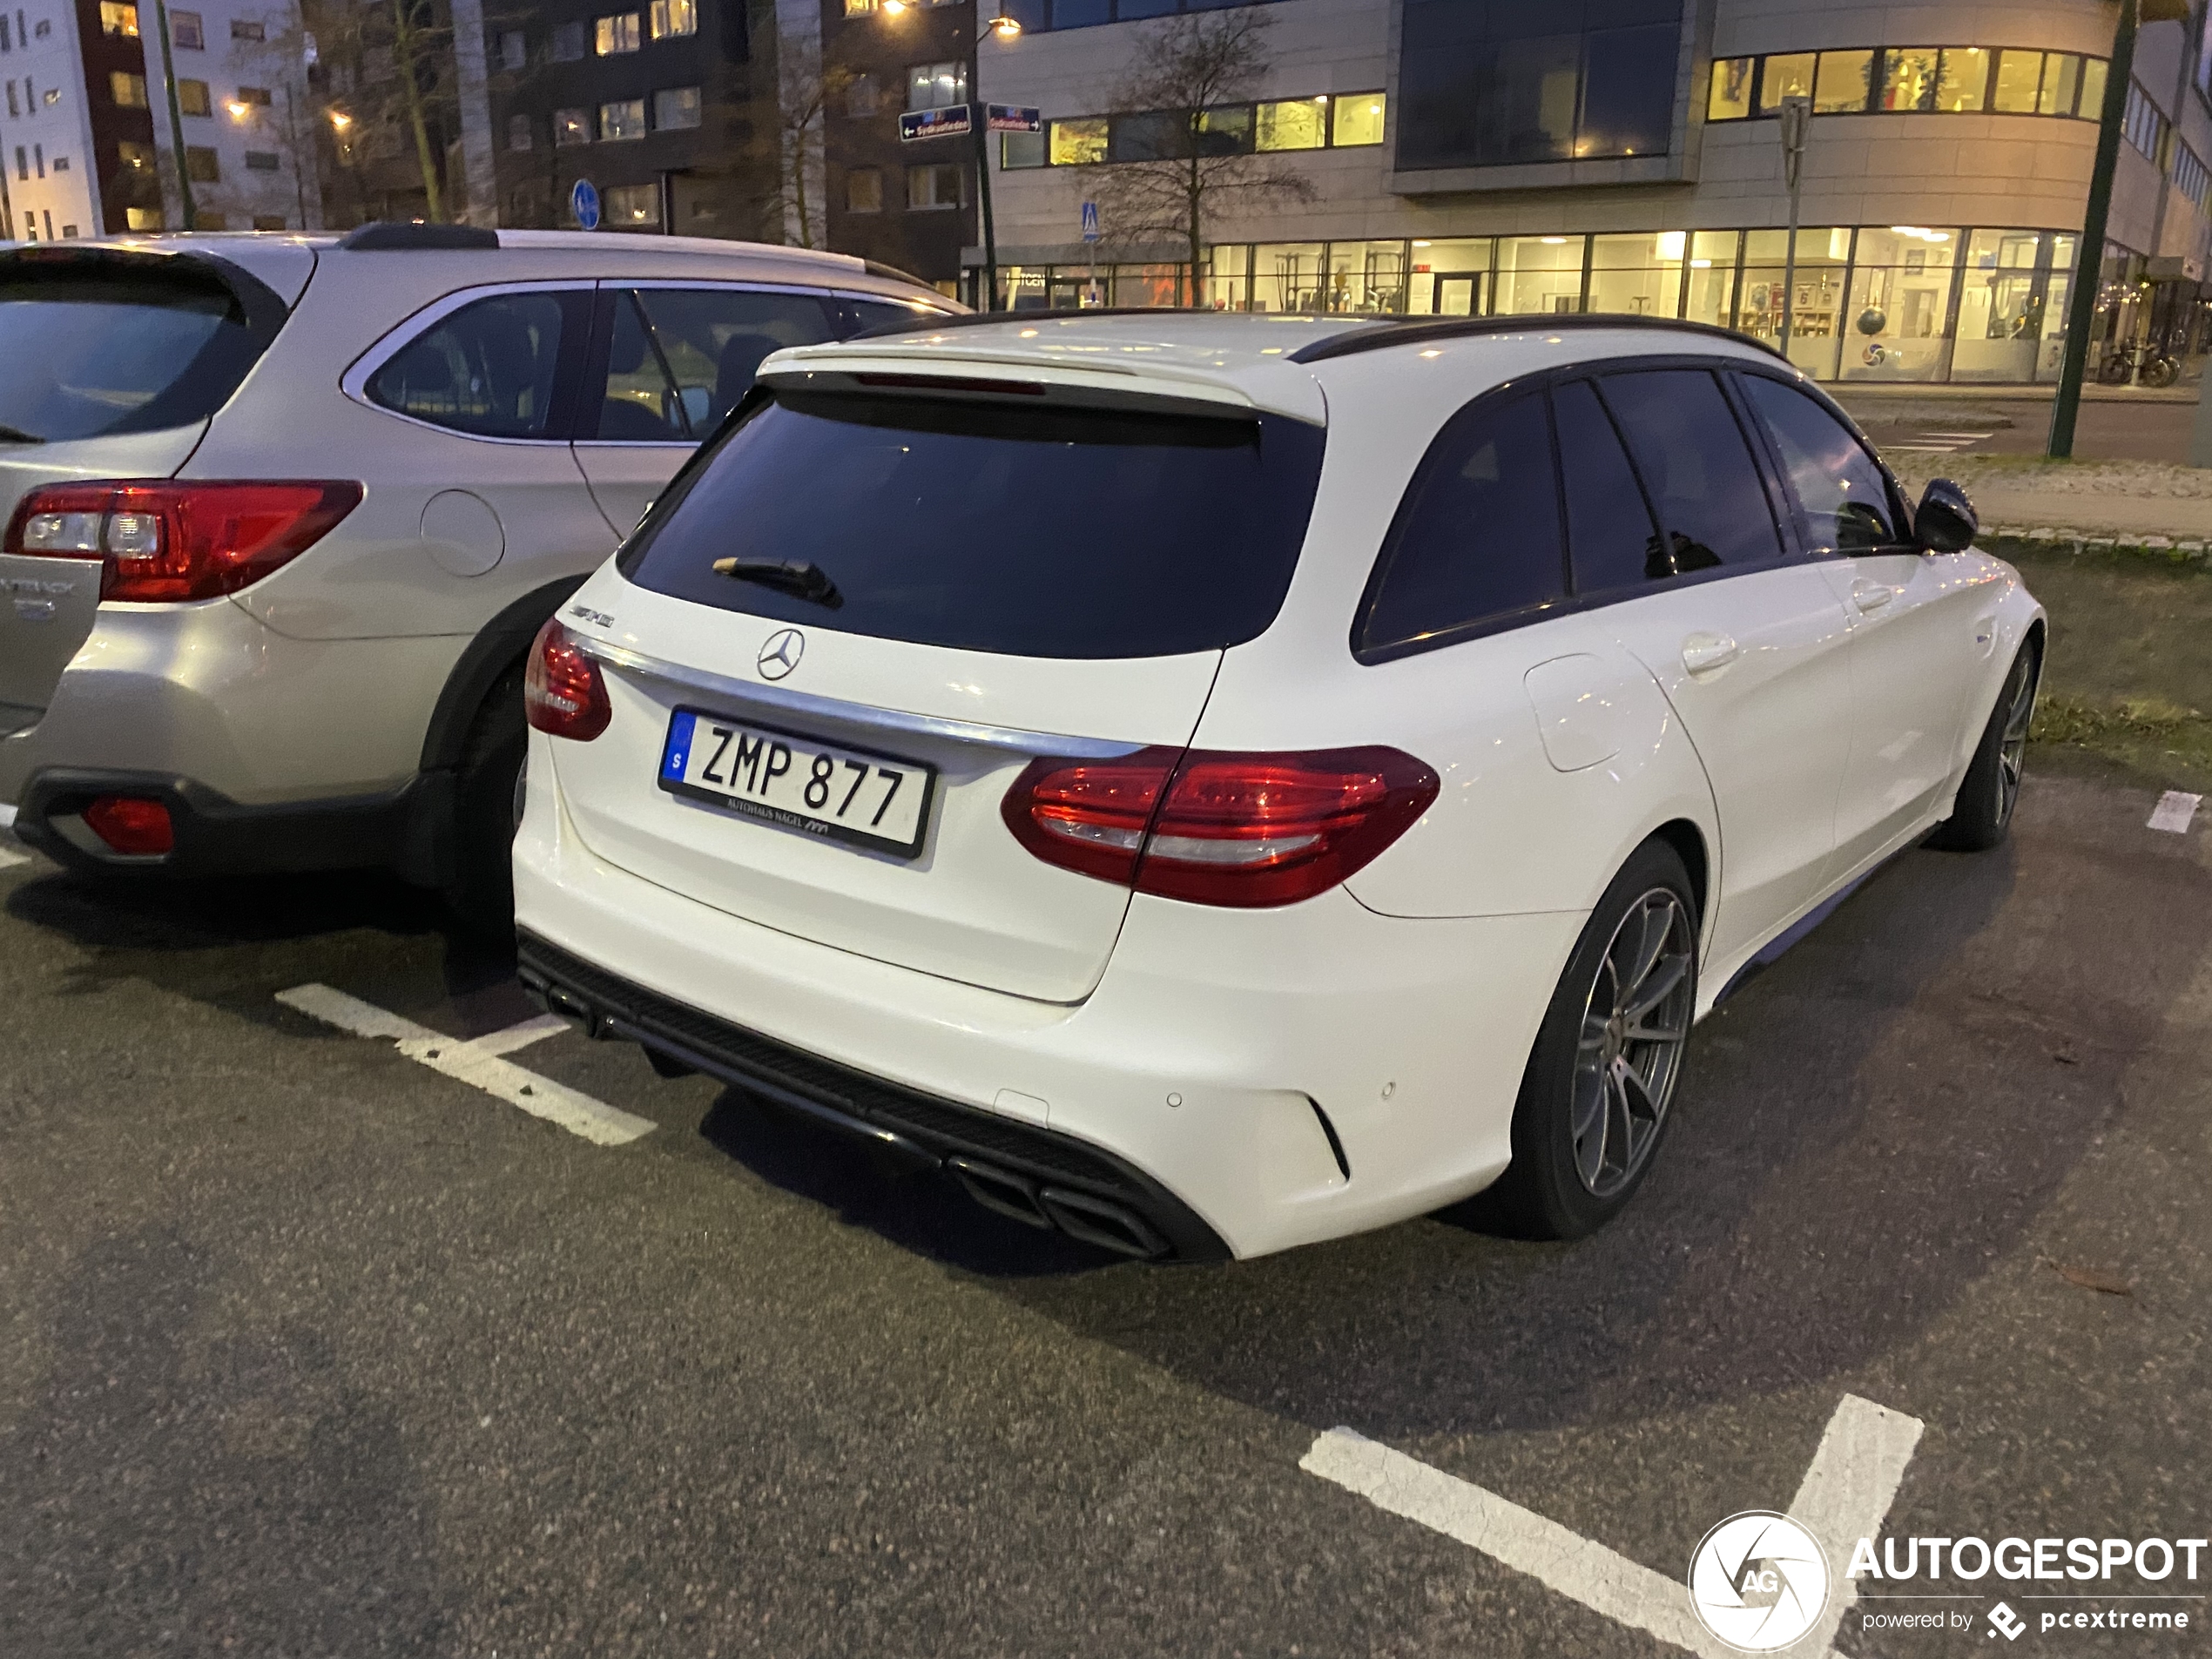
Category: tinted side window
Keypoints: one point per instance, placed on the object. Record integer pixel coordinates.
(1840, 493)
(1608, 525)
(679, 359)
(1698, 468)
(489, 368)
(882, 314)
(1478, 534)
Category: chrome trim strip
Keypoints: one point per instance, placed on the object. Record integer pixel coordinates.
(860, 714)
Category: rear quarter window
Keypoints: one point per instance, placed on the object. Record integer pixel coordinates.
(101, 340)
(1477, 540)
(1029, 530)
(497, 367)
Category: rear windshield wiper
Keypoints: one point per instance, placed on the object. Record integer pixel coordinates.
(17, 435)
(801, 578)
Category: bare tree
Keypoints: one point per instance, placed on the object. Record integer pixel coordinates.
(805, 87)
(1191, 73)
(391, 87)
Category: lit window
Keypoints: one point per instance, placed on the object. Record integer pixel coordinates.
(1788, 75)
(864, 191)
(623, 118)
(1358, 118)
(143, 218)
(858, 9)
(675, 107)
(936, 86)
(571, 127)
(674, 18)
(938, 185)
(630, 206)
(192, 98)
(1845, 83)
(129, 91)
(118, 19)
(613, 35)
(1731, 94)
(2019, 76)
(1076, 142)
(1293, 124)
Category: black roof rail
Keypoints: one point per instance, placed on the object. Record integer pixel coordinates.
(388, 236)
(892, 273)
(1067, 313)
(1386, 331)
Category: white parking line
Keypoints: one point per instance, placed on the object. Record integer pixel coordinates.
(2174, 812)
(477, 1063)
(1846, 1495)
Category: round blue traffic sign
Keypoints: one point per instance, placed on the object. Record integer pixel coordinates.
(584, 202)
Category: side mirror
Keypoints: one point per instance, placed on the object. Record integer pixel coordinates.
(1946, 521)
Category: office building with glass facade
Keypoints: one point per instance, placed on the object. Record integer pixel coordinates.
(1475, 156)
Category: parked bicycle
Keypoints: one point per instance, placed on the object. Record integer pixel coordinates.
(2141, 362)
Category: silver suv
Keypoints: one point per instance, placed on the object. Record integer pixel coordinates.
(285, 512)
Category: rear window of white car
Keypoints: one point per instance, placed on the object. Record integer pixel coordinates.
(1027, 530)
(101, 340)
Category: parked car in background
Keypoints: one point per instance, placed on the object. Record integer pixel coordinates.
(1213, 783)
(284, 512)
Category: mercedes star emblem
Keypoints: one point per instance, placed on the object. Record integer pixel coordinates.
(781, 654)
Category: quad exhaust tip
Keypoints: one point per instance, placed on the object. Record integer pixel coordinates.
(1080, 1215)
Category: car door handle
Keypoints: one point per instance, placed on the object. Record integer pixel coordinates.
(1702, 653)
(1871, 595)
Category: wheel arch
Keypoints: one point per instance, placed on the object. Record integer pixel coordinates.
(498, 645)
(1688, 841)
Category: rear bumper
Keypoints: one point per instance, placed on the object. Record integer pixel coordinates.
(218, 836)
(1225, 1061)
(1017, 1168)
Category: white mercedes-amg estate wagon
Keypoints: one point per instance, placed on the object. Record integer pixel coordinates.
(1217, 782)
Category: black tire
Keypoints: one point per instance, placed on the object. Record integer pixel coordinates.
(2114, 370)
(1562, 1183)
(2161, 372)
(481, 888)
(1982, 814)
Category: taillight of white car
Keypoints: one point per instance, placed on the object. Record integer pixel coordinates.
(1241, 829)
(166, 541)
(563, 694)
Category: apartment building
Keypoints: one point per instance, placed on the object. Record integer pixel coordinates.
(909, 204)
(78, 156)
(1456, 157)
(668, 107)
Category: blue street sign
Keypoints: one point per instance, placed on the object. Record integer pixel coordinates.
(584, 202)
(1090, 221)
(956, 122)
(1011, 118)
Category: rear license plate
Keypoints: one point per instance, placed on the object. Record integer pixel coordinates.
(799, 783)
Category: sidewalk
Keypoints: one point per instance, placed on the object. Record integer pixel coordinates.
(2141, 504)
(1850, 391)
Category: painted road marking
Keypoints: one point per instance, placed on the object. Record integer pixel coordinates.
(2174, 812)
(1846, 1495)
(477, 1063)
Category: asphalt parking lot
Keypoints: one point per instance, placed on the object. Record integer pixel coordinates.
(309, 1347)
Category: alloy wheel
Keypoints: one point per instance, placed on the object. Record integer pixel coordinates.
(1634, 1023)
(2012, 742)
